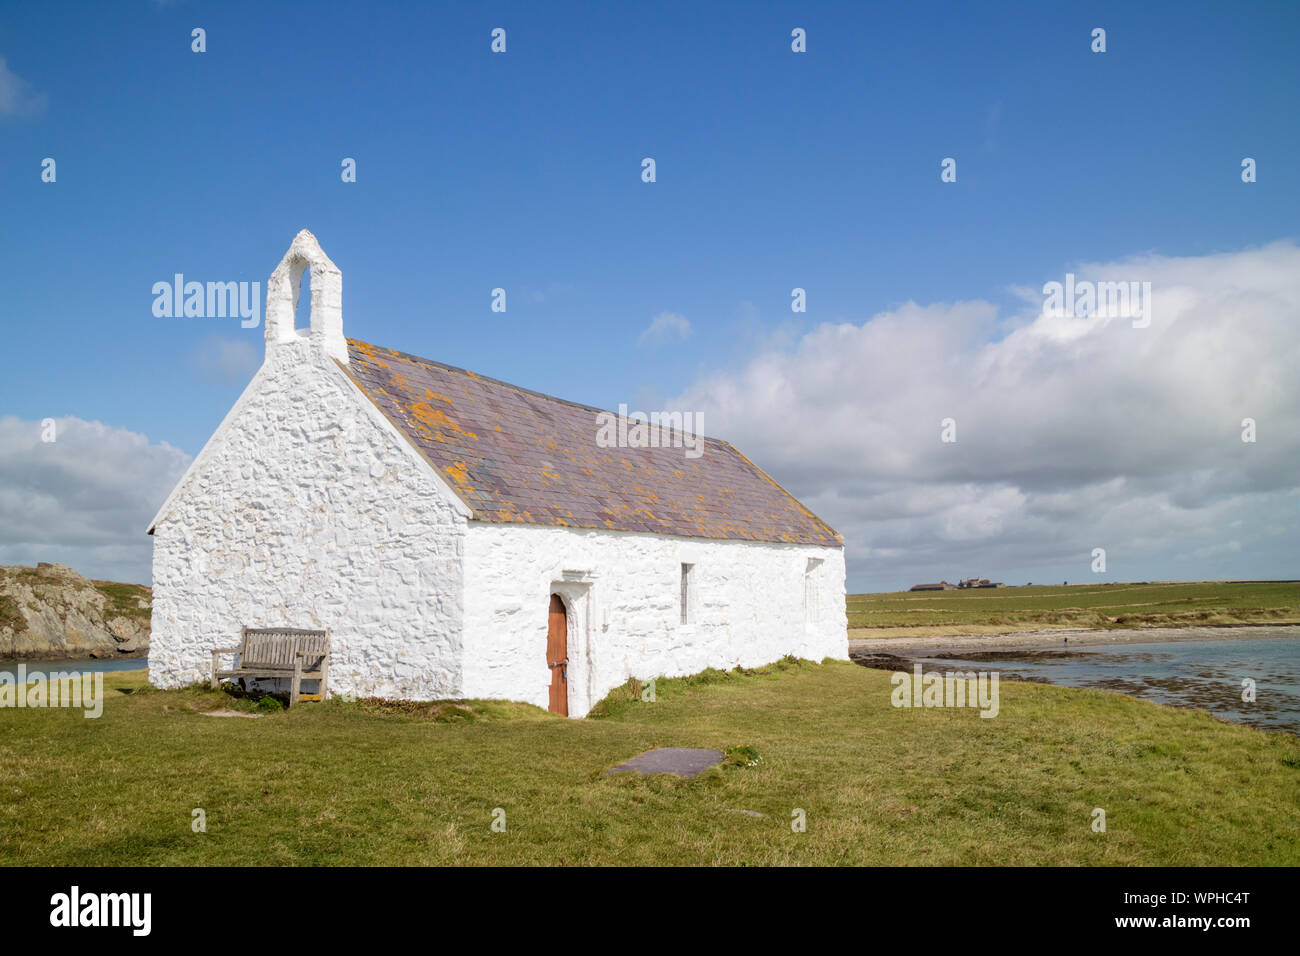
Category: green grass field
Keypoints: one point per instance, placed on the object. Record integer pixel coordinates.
(1206, 603)
(365, 783)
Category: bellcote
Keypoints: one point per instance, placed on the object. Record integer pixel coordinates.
(283, 288)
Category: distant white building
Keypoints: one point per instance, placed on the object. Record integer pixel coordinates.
(462, 538)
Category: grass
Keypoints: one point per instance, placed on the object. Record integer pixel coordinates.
(377, 783)
(10, 614)
(125, 600)
(1106, 606)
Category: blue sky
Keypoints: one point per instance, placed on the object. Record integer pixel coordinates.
(522, 171)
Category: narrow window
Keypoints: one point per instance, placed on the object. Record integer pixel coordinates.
(302, 302)
(812, 599)
(686, 592)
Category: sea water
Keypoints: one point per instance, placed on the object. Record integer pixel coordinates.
(1207, 674)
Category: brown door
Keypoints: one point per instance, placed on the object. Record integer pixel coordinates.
(557, 656)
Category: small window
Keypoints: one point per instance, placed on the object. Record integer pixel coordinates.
(302, 302)
(686, 592)
(812, 598)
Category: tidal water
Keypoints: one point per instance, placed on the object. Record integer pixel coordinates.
(1207, 674)
(81, 666)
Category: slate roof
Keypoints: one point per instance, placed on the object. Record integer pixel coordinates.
(515, 455)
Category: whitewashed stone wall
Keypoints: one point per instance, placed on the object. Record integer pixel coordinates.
(307, 511)
(622, 593)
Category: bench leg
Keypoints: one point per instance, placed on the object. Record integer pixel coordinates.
(216, 684)
(297, 681)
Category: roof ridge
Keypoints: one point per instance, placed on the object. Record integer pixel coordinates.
(522, 388)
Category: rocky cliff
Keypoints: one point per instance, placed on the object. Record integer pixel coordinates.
(51, 611)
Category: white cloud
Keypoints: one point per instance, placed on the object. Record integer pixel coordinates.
(84, 499)
(16, 96)
(664, 328)
(1071, 433)
(222, 361)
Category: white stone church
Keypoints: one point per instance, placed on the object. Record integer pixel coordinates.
(460, 537)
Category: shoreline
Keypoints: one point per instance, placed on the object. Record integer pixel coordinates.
(64, 659)
(1055, 638)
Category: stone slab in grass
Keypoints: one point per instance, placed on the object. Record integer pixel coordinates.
(682, 761)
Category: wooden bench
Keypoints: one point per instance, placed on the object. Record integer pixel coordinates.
(278, 652)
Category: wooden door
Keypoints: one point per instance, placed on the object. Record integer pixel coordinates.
(557, 656)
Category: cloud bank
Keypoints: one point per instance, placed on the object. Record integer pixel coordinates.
(1071, 433)
(84, 499)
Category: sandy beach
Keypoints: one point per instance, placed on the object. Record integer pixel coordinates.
(1057, 638)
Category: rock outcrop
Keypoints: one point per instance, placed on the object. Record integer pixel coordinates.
(51, 611)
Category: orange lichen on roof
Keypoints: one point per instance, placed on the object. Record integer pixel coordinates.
(369, 351)
(515, 455)
(432, 418)
(459, 475)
